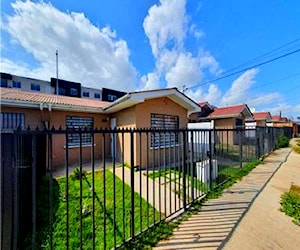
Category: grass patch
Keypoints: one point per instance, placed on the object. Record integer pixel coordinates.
(296, 147)
(104, 212)
(290, 203)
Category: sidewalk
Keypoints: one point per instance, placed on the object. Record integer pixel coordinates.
(234, 221)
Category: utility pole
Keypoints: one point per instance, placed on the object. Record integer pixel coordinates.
(56, 72)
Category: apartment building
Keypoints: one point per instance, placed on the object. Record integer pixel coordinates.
(60, 87)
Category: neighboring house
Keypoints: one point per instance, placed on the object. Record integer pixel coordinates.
(231, 117)
(160, 109)
(206, 110)
(260, 119)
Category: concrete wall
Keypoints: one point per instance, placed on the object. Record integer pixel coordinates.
(143, 120)
(58, 118)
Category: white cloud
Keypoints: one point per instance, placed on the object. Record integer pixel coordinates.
(184, 71)
(238, 91)
(95, 57)
(150, 81)
(167, 25)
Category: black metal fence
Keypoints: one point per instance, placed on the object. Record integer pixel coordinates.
(105, 193)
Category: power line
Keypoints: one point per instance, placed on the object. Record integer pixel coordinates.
(243, 70)
(264, 55)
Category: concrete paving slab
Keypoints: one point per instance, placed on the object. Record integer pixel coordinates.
(218, 218)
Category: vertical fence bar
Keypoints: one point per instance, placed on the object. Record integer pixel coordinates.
(16, 191)
(132, 223)
(147, 171)
(114, 134)
(93, 189)
(240, 148)
(50, 189)
(153, 167)
(170, 176)
(175, 157)
(67, 188)
(192, 165)
(140, 175)
(159, 176)
(104, 187)
(210, 159)
(184, 169)
(123, 189)
(33, 190)
(80, 182)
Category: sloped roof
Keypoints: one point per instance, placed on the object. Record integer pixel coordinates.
(27, 98)
(231, 111)
(20, 98)
(262, 116)
(278, 118)
(133, 98)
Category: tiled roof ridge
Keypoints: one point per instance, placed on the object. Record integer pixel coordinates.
(39, 97)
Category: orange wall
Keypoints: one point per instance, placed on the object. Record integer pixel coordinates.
(143, 117)
(58, 118)
(32, 116)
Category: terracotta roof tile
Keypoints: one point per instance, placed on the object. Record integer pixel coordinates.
(261, 115)
(228, 111)
(37, 97)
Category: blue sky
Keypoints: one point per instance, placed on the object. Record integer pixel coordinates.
(130, 45)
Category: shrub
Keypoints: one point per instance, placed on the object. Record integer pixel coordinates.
(77, 175)
(282, 142)
(296, 147)
(290, 203)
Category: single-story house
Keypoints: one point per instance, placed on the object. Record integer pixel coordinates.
(260, 119)
(206, 110)
(161, 109)
(230, 117)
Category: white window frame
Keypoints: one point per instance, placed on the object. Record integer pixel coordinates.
(164, 123)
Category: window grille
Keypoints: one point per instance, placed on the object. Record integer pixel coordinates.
(164, 138)
(12, 120)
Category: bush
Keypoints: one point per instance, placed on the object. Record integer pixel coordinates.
(282, 142)
(290, 203)
(296, 147)
(77, 175)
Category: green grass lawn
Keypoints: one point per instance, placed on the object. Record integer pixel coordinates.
(290, 203)
(117, 225)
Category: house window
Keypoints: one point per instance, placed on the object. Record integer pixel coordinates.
(86, 94)
(4, 83)
(76, 122)
(111, 97)
(12, 120)
(62, 91)
(97, 95)
(238, 123)
(35, 87)
(164, 138)
(16, 84)
(73, 92)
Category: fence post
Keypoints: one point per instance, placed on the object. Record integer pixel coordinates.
(131, 184)
(240, 147)
(210, 159)
(33, 190)
(184, 140)
(192, 165)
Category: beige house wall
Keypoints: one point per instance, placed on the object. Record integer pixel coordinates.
(143, 114)
(225, 137)
(58, 118)
(139, 116)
